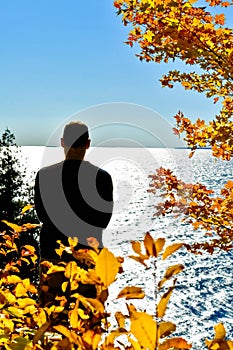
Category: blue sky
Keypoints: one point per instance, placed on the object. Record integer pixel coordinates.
(62, 57)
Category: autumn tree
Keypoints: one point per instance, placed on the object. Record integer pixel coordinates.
(167, 31)
(185, 30)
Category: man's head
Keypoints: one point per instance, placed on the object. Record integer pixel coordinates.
(75, 138)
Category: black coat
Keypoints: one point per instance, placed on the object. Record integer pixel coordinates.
(72, 198)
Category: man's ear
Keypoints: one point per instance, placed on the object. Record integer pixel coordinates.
(62, 142)
(88, 143)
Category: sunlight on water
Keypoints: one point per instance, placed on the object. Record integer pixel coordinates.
(204, 294)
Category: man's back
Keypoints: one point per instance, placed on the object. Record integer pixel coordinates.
(72, 198)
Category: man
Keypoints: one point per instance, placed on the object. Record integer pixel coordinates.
(73, 197)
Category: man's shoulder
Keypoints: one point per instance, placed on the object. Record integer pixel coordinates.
(50, 168)
(98, 170)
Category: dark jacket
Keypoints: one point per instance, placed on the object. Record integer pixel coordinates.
(72, 198)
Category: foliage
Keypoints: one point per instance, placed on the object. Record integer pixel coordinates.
(75, 321)
(197, 206)
(185, 30)
(178, 30)
(15, 192)
(11, 178)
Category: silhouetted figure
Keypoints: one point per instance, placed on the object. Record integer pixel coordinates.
(73, 197)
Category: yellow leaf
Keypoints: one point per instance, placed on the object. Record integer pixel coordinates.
(55, 309)
(13, 279)
(26, 260)
(91, 277)
(24, 302)
(165, 329)
(177, 343)
(131, 293)
(26, 208)
(9, 324)
(39, 317)
(107, 267)
(220, 332)
(63, 330)
(30, 226)
(229, 344)
(73, 337)
(162, 305)
(16, 312)
(82, 314)
(55, 268)
(73, 241)
(26, 282)
(141, 258)
(171, 249)
(144, 328)
(14, 227)
(64, 286)
(71, 269)
(6, 297)
(32, 289)
(74, 318)
(93, 304)
(120, 319)
(171, 271)
(88, 256)
(29, 248)
(4, 340)
(149, 36)
(20, 290)
(131, 308)
(30, 309)
(91, 338)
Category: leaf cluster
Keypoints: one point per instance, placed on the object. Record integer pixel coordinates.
(74, 321)
(197, 206)
(172, 30)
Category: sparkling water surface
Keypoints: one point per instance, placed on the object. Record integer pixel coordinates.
(203, 295)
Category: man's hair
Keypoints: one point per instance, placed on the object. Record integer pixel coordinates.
(75, 134)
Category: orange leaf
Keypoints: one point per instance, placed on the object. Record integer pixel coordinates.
(171, 271)
(131, 293)
(165, 329)
(177, 343)
(162, 305)
(149, 245)
(136, 247)
(14, 227)
(229, 184)
(171, 249)
(176, 131)
(159, 243)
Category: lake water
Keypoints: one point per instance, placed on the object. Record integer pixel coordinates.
(204, 294)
